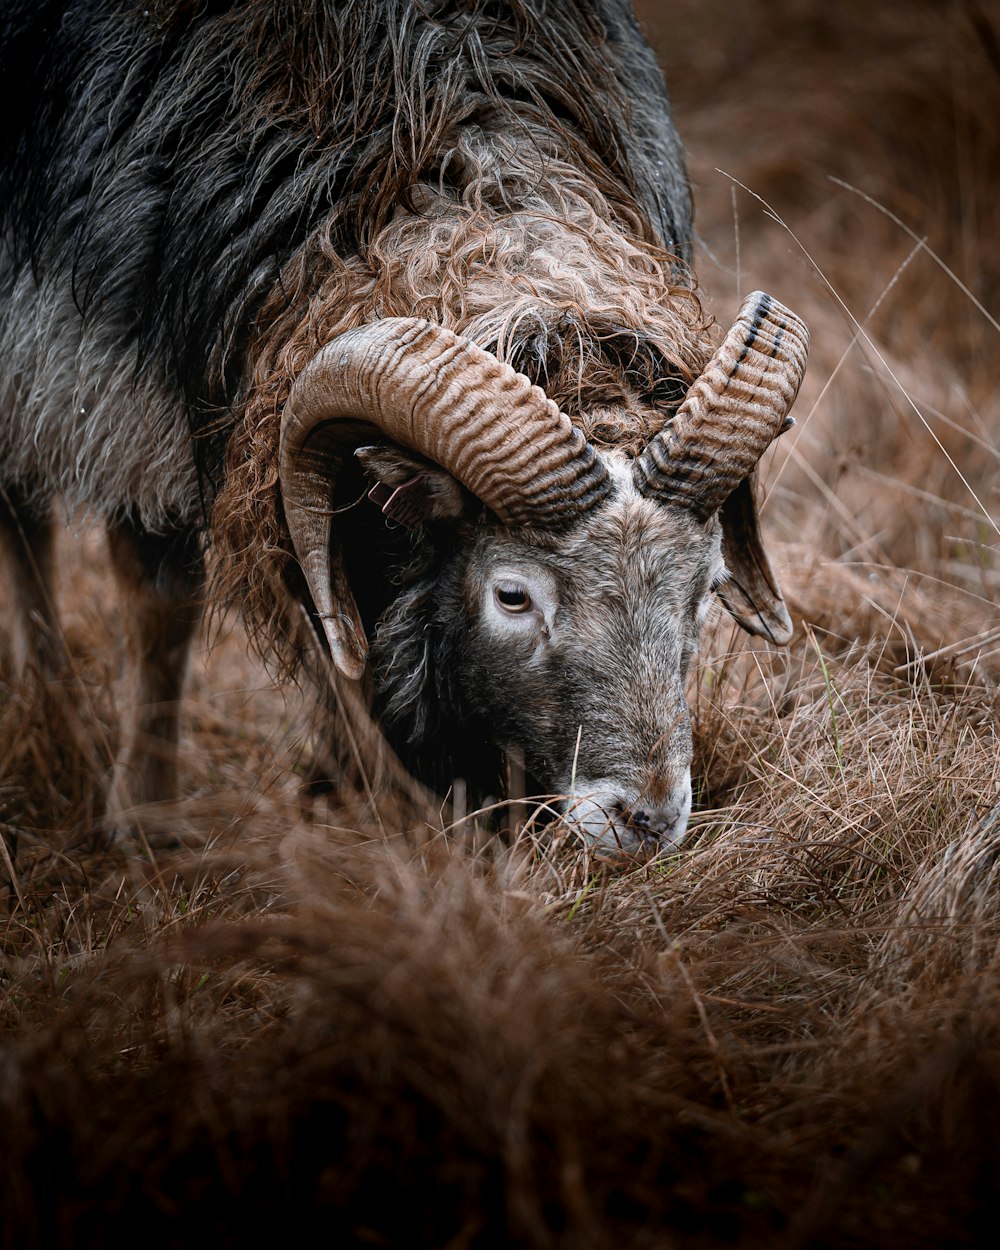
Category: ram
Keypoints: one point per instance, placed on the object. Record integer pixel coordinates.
(382, 310)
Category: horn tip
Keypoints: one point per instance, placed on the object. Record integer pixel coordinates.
(347, 650)
(349, 664)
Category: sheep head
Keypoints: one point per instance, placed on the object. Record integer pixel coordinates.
(568, 615)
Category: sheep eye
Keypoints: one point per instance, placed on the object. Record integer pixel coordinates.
(512, 598)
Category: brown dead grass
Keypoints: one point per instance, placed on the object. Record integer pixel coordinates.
(787, 1036)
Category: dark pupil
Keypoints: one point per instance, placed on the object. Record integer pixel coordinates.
(515, 598)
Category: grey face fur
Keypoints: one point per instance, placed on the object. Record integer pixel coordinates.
(573, 647)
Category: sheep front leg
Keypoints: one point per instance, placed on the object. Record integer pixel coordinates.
(160, 578)
(27, 544)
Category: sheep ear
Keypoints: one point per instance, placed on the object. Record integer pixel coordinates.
(410, 489)
(751, 594)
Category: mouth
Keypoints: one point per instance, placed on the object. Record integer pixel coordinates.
(613, 818)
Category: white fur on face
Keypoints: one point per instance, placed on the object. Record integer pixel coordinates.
(586, 637)
(611, 817)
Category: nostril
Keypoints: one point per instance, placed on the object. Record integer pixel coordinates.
(641, 822)
(658, 826)
(602, 813)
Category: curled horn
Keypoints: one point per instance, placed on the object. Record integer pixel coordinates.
(731, 413)
(705, 458)
(438, 394)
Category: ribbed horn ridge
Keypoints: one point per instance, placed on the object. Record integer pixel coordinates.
(429, 390)
(732, 411)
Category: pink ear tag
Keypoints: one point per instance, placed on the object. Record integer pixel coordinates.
(406, 505)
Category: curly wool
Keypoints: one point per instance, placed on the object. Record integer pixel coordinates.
(561, 287)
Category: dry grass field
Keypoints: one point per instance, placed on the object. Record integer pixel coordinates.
(421, 1033)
